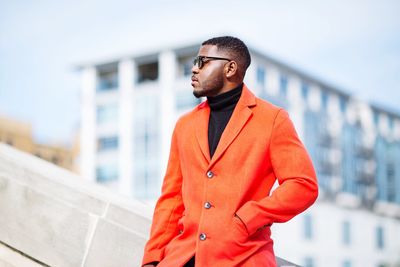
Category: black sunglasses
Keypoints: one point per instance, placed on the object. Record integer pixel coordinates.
(201, 60)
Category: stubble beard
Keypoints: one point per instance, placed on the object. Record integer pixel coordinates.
(210, 88)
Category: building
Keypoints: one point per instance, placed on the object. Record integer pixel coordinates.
(130, 104)
(20, 135)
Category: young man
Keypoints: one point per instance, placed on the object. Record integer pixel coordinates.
(216, 208)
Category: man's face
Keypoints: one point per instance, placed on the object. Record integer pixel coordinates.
(209, 80)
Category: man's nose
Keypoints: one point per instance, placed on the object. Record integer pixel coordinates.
(195, 69)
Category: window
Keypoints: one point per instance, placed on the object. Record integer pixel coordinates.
(346, 263)
(391, 179)
(107, 78)
(308, 262)
(308, 234)
(381, 172)
(107, 143)
(391, 122)
(380, 244)
(148, 72)
(147, 138)
(107, 113)
(376, 117)
(304, 91)
(324, 100)
(186, 99)
(350, 161)
(342, 103)
(261, 76)
(283, 86)
(185, 64)
(106, 173)
(346, 237)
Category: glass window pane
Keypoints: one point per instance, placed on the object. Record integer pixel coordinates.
(346, 263)
(308, 233)
(346, 233)
(107, 143)
(283, 86)
(324, 100)
(304, 91)
(185, 64)
(380, 242)
(106, 173)
(148, 72)
(107, 78)
(261, 76)
(186, 99)
(308, 262)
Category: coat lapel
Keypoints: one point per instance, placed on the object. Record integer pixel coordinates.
(202, 117)
(240, 116)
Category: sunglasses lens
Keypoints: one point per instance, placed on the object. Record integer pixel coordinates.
(198, 61)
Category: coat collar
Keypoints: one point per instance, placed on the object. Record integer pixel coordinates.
(240, 116)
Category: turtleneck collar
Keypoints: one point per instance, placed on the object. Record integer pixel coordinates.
(225, 101)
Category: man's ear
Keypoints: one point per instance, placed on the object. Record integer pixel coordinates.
(231, 69)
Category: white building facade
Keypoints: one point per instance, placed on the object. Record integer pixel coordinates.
(130, 105)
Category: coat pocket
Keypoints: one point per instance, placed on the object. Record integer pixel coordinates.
(238, 223)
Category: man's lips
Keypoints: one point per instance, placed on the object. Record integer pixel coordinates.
(194, 80)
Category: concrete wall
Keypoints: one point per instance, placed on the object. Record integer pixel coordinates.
(58, 219)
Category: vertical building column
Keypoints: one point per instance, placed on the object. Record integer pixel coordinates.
(296, 107)
(315, 98)
(125, 127)
(88, 124)
(167, 71)
(251, 79)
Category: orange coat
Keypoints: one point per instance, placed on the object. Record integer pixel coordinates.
(221, 209)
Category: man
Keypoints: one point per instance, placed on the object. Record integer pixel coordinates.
(226, 154)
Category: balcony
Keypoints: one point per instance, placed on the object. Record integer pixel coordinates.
(365, 151)
(330, 168)
(327, 139)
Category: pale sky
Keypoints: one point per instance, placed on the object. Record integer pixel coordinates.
(354, 45)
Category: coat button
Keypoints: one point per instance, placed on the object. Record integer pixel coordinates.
(210, 174)
(207, 205)
(202, 236)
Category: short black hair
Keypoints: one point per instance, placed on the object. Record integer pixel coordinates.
(233, 46)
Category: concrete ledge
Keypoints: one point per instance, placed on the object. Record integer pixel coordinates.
(11, 258)
(113, 245)
(57, 218)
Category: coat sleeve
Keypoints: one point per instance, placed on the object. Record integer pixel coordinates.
(168, 210)
(298, 188)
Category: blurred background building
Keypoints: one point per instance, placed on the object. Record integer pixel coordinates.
(130, 104)
(20, 135)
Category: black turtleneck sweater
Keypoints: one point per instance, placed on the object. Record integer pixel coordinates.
(222, 107)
